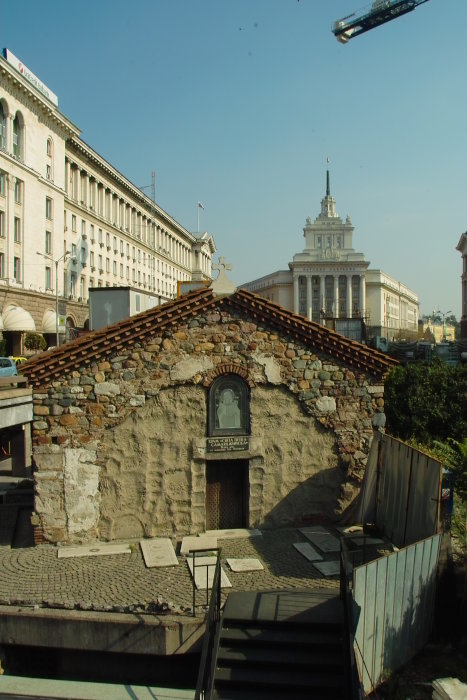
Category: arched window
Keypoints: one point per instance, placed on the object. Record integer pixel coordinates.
(49, 164)
(229, 406)
(18, 135)
(2, 127)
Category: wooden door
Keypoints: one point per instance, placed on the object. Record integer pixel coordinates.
(226, 494)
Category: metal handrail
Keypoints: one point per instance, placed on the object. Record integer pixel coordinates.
(206, 671)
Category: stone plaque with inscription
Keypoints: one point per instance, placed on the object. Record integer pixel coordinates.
(229, 443)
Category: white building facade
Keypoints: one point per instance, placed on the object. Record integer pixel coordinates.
(329, 282)
(69, 221)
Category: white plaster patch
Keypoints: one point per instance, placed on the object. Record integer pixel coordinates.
(271, 368)
(93, 550)
(186, 369)
(326, 404)
(240, 533)
(308, 551)
(194, 544)
(158, 552)
(240, 565)
(81, 490)
(204, 573)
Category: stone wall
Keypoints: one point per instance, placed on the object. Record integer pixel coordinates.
(120, 446)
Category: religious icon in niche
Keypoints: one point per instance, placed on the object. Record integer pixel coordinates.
(228, 412)
(229, 403)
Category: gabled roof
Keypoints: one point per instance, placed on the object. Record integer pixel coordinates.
(98, 346)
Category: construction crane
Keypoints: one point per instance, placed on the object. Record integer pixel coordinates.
(380, 12)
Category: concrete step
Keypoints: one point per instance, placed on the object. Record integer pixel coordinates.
(283, 657)
(278, 681)
(296, 638)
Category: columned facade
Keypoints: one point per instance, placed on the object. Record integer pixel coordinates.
(330, 283)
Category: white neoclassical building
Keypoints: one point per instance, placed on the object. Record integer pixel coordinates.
(330, 282)
(69, 221)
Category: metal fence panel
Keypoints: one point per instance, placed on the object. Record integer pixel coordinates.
(394, 601)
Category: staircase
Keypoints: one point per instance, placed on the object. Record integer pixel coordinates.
(281, 644)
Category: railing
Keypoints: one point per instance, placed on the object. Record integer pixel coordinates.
(206, 671)
(346, 573)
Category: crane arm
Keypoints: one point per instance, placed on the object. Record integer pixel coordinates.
(381, 11)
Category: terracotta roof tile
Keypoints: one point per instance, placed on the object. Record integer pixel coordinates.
(99, 345)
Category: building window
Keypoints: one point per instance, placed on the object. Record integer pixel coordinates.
(48, 172)
(91, 259)
(73, 222)
(17, 269)
(128, 273)
(2, 183)
(328, 241)
(121, 269)
(107, 240)
(101, 269)
(91, 229)
(82, 286)
(17, 230)
(319, 242)
(83, 255)
(83, 228)
(48, 208)
(229, 406)
(107, 265)
(99, 237)
(18, 188)
(2, 265)
(2, 128)
(114, 268)
(48, 242)
(338, 242)
(49, 147)
(18, 130)
(73, 251)
(48, 278)
(2, 224)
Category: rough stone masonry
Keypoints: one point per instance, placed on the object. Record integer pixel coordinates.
(120, 445)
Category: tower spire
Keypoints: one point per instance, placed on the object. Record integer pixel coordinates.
(328, 189)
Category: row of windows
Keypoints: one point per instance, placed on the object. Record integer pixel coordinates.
(18, 188)
(102, 201)
(16, 268)
(329, 241)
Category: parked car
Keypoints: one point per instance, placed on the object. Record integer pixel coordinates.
(19, 360)
(8, 367)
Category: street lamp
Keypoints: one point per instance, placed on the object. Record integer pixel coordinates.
(62, 257)
(443, 314)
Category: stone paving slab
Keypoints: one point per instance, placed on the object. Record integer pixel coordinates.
(308, 551)
(194, 544)
(204, 573)
(158, 552)
(324, 541)
(240, 565)
(93, 550)
(328, 568)
(236, 534)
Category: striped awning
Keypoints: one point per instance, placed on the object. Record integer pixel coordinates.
(15, 318)
(49, 322)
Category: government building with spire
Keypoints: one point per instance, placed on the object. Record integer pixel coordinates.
(329, 282)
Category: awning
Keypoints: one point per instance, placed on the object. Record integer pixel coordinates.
(49, 323)
(15, 318)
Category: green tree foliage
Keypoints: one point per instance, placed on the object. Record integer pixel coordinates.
(34, 341)
(427, 402)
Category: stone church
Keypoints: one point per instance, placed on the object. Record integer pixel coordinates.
(216, 410)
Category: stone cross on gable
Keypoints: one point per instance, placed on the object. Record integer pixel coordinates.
(221, 264)
(222, 285)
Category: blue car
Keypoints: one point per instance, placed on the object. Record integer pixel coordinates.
(8, 367)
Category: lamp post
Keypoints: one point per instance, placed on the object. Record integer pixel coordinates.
(443, 314)
(62, 257)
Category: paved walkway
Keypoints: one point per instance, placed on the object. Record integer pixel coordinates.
(35, 576)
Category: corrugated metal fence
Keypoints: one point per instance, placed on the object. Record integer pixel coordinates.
(393, 614)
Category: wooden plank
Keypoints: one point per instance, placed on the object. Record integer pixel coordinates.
(380, 614)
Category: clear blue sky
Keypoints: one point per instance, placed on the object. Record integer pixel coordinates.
(238, 103)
